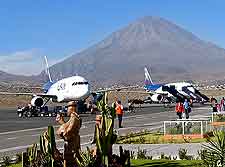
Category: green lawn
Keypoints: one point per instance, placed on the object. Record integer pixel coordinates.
(154, 139)
(16, 165)
(166, 163)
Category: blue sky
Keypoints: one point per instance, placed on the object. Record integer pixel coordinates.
(31, 29)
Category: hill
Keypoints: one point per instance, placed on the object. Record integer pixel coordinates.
(170, 51)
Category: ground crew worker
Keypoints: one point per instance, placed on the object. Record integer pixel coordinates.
(179, 109)
(69, 131)
(119, 112)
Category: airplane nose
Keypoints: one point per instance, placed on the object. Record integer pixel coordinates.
(85, 92)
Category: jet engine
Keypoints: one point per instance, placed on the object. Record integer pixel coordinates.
(156, 97)
(37, 101)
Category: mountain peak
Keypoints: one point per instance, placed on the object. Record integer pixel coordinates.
(150, 30)
(170, 51)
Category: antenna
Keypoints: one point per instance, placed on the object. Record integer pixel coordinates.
(47, 69)
(147, 75)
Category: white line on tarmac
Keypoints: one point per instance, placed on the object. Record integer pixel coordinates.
(41, 128)
(11, 138)
(148, 124)
(125, 117)
(61, 140)
(24, 147)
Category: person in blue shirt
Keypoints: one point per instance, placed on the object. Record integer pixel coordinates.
(186, 108)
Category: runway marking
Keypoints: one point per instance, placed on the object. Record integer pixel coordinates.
(11, 138)
(41, 128)
(125, 117)
(61, 140)
(25, 147)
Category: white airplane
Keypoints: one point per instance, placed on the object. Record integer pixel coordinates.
(73, 88)
(180, 90)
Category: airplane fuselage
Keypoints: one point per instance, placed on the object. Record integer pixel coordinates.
(158, 88)
(71, 88)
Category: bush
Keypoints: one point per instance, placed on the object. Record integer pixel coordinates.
(142, 139)
(6, 160)
(214, 153)
(182, 154)
(141, 154)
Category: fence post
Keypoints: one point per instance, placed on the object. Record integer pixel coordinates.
(212, 117)
(164, 127)
(201, 129)
(183, 127)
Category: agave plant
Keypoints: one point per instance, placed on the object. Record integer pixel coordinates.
(32, 154)
(87, 159)
(47, 155)
(214, 154)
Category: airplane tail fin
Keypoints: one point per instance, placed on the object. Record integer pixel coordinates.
(148, 79)
(47, 69)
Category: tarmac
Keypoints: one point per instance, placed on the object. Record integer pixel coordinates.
(16, 134)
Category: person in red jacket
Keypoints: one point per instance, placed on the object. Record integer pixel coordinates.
(179, 109)
(119, 112)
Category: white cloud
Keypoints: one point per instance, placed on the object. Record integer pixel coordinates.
(26, 62)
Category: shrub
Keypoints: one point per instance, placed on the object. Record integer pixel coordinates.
(141, 154)
(214, 153)
(6, 160)
(175, 158)
(155, 140)
(142, 139)
(182, 153)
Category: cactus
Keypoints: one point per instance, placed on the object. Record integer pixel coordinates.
(32, 154)
(48, 146)
(105, 136)
(46, 155)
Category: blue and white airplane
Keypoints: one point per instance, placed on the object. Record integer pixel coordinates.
(73, 88)
(180, 90)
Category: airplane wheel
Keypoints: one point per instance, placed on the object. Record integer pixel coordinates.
(20, 115)
(29, 114)
(42, 115)
(49, 114)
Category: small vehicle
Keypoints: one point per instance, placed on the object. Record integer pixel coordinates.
(27, 111)
(22, 110)
(60, 110)
(44, 111)
(148, 100)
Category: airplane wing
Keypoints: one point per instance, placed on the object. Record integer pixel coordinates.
(13, 93)
(114, 89)
(144, 92)
(29, 94)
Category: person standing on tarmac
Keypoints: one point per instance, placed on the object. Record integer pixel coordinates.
(186, 108)
(214, 104)
(119, 112)
(179, 109)
(222, 103)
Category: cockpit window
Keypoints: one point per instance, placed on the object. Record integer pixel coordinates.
(80, 83)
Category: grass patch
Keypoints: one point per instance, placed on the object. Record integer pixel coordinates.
(15, 165)
(219, 118)
(154, 139)
(165, 163)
